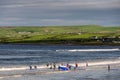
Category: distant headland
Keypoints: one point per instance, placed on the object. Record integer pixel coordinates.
(61, 35)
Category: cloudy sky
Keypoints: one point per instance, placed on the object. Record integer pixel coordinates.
(59, 12)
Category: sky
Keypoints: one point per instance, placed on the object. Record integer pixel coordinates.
(59, 12)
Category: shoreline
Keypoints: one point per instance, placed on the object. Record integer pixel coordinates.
(93, 66)
(61, 44)
(72, 63)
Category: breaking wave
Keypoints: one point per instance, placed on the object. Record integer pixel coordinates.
(88, 50)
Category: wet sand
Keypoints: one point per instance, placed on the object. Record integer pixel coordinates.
(96, 70)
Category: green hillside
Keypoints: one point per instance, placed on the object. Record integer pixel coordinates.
(56, 34)
(62, 29)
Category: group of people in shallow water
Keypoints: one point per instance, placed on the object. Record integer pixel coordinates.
(54, 66)
(51, 65)
(32, 67)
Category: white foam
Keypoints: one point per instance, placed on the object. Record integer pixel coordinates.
(92, 50)
(104, 62)
(96, 63)
(12, 68)
(20, 68)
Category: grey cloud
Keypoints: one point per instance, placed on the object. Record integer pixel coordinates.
(61, 3)
(59, 12)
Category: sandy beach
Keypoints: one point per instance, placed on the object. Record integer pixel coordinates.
(96, 70)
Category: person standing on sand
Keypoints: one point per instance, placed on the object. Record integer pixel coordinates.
(67, 65)
(59, 68)
(35, 67)
(76, 65)
(54, 65)
(30, 67)
(51, 66)
(47, 64)
(86, 64)
(108, 67)
(70, 67)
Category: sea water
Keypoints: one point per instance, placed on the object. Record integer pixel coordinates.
(37, 54)
(19, 57)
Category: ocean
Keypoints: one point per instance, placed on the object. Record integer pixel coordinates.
(15, 61)
(37, 54)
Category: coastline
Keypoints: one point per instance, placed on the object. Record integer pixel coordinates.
(97, 67)
(91, 63)
(67, 44)
(61, 35)
(96, 70)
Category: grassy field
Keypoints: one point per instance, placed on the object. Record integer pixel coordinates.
(59, 34)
